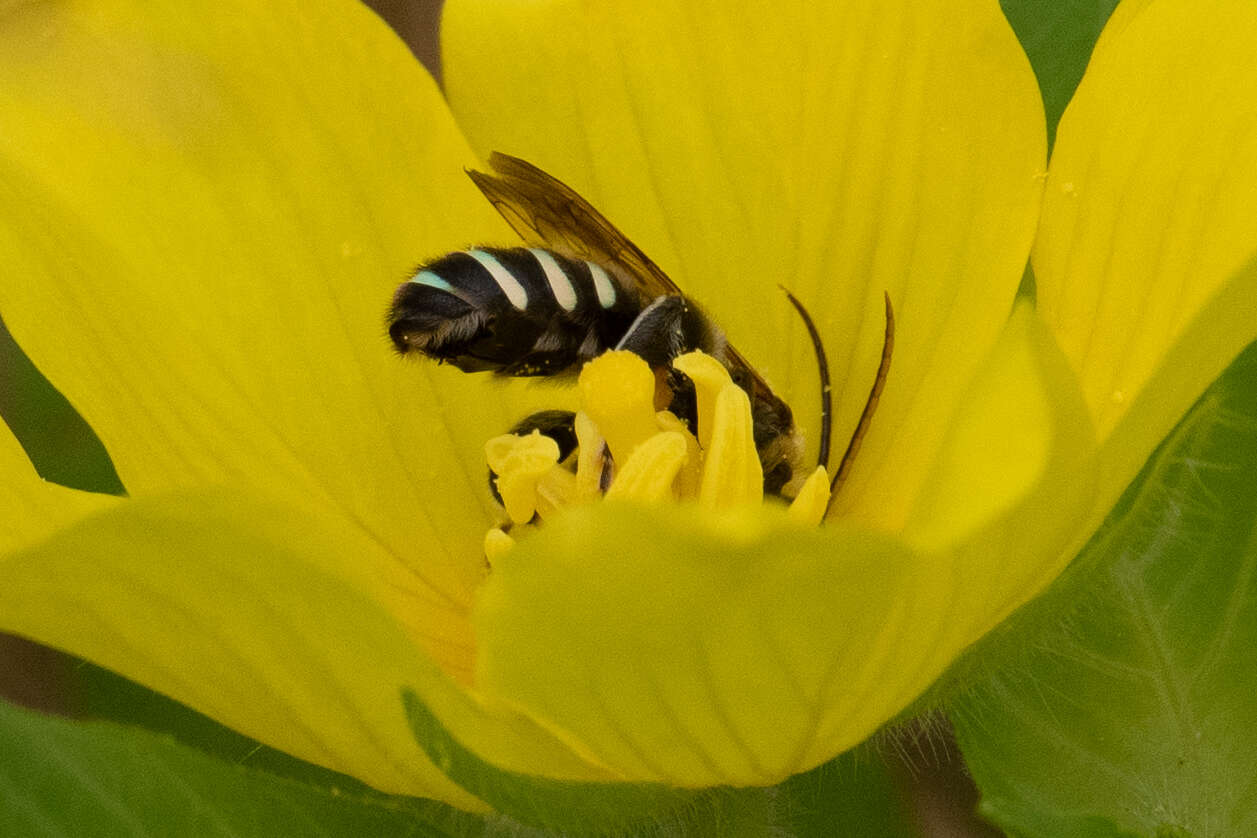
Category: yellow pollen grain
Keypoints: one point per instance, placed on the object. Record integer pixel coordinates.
(732, 474)
(617, 391)
(709, 377)
(809, 505)
(520, 462)
(650, 470)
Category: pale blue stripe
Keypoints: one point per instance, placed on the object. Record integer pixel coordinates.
(602, 284)
(510, 285)
(562, 288)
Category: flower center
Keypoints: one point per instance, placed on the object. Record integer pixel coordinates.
(626, 450)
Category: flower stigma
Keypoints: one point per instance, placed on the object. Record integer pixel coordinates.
(628, 450)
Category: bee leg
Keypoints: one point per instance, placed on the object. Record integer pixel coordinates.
(684, 404)
(559, 425)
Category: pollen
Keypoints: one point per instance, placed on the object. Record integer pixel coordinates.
(627, 450)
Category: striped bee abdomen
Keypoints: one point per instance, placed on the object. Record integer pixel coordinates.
(515, 311)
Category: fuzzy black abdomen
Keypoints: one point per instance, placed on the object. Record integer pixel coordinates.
(513, 311)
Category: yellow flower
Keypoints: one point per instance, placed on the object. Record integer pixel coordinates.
(204, 215)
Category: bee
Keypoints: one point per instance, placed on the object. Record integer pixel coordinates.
(580, 288)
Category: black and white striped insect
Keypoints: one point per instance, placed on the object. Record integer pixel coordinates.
(514, 311)
(580, 289)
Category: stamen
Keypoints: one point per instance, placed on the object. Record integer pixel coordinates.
(655, 457)
(649, 472)
(709, 377)
(617, 391)
(555, 490)
(732, 474)
(497, 544)
(690, 477)
(809, 505)
(590, 459)
(519, 462)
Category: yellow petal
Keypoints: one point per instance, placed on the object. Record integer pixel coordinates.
(204, 211)
(1222, 327)
(246, 609)
(32, 509)
(1012, 488)
(1021, 412)
(1149, 206)
(845, 149)
(702, 649)
(695, 652)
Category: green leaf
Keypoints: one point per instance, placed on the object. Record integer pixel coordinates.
(855, 794)
(1127, 692)
(64, 778)
(1058, 36)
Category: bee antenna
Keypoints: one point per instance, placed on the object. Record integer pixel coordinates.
(870, 406)
(823, 364)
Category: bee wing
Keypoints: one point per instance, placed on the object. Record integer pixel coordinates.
(548, 213)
